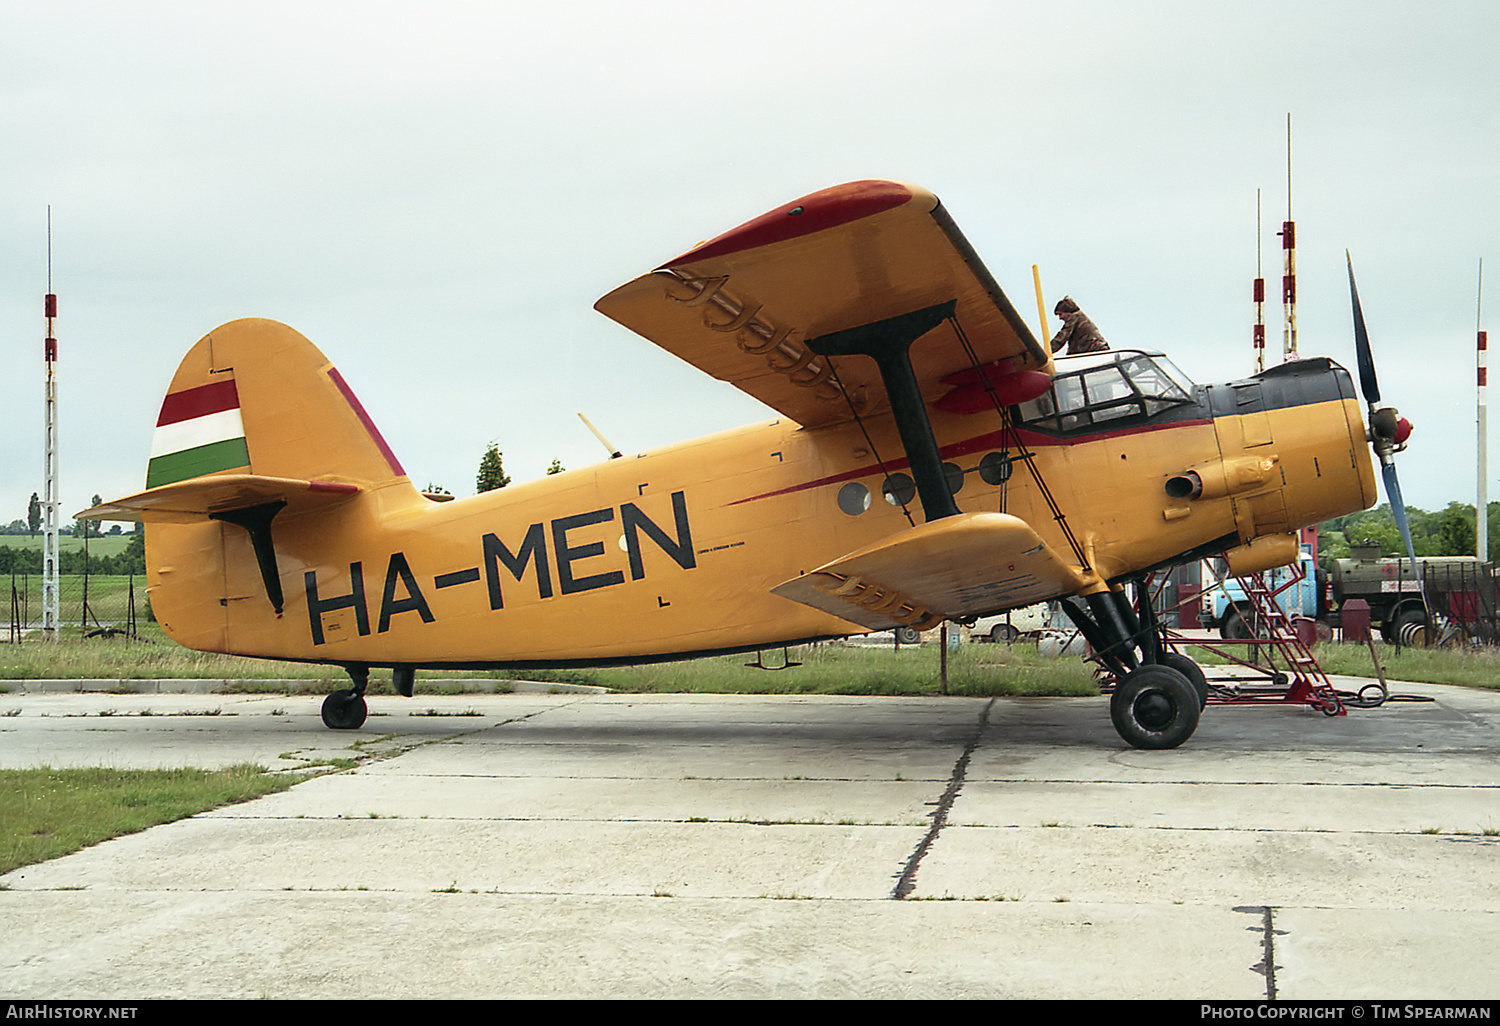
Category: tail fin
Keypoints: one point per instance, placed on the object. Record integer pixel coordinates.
(257, 426)
(255, 397)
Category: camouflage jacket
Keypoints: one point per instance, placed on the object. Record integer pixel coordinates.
(1080, 335)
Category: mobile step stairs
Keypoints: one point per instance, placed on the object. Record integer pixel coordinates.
(1283, 668)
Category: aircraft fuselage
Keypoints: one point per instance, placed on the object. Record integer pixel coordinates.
(673, 552)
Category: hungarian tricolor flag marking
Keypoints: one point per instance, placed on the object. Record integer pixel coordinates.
(199, 432)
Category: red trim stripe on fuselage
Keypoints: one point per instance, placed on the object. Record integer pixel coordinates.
(992, 440)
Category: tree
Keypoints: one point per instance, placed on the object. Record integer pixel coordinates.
(1456, 530)
(555, 468)
(491, 470)
(95, 527)
(34, 515)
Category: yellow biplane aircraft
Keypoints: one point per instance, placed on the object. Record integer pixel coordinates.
(930, 461)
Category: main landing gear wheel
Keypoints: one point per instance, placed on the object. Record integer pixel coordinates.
(344, 710)
(1155, 707)
(1192, 671)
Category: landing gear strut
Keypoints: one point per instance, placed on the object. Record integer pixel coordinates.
(346, 709)
(1159, 693)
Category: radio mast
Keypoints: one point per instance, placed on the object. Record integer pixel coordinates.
(50, 504)
(1260, 297)
(1289, 244)
(1482, 492)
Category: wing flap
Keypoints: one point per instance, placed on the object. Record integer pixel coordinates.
(198, 498)
(958, 566)
(740, 306)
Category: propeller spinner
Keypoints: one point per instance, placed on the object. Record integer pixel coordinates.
(1388, 429)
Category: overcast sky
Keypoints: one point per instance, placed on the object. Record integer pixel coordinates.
(436, 193)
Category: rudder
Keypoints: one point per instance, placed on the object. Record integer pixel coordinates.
(256, 397)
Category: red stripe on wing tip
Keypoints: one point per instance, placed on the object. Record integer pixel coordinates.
(817, 212)
(364, 418)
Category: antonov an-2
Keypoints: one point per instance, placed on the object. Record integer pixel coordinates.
(930, 460)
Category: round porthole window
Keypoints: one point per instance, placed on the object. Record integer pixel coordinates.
(854, 498)
(899, 489)
(995, 468)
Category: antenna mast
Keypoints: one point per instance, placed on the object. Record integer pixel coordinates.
(1482, 492)
(1260, 297)
(50, 504)
(1289, 244)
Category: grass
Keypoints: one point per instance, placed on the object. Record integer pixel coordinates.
(827, 669)
(973, 670)
(1479, 668)
(47, 813)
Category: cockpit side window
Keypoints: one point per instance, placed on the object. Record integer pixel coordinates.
(1129, 386)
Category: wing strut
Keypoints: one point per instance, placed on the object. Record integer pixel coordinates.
(888, 342)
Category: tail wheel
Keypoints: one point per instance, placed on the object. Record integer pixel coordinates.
(344, 710)
(1155, 707)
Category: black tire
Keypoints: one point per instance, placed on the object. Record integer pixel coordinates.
(908, 636)
(1003, 633)
(344, 710)
(1192, 671)
(1410, 628)
(1154, 707)
(1234, 627)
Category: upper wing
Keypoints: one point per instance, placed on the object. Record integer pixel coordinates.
(740, 306)
(958, 566)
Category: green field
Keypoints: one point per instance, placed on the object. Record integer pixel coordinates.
(108, 595)
(104, 545)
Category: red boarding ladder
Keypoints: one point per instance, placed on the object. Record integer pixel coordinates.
(1307, 683)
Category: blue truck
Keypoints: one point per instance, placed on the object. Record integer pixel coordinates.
(1387, 585)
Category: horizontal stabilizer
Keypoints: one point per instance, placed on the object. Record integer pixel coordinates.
(958, 566)
(199, 498)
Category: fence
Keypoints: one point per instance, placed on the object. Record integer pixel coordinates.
(103, 603)
(1465, 594)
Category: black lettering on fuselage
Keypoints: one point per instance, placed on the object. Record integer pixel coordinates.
(681, 550)
(402, 594)
(534, 547)
(567, 554)
(399, 570)
(316, 607)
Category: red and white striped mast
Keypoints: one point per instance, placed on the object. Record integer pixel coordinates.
(1289, 245)
(50, 504)
(1482, 496)
(1260, 297)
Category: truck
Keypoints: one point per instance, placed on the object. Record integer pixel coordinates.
(1387, 585)
(1299, 591)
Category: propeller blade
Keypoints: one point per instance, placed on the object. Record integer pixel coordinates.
(1398, 510)
(1367, 381)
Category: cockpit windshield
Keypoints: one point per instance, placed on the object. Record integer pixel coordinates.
(1106, 389)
